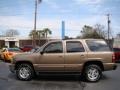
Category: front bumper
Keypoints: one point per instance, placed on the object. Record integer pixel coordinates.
(12, 68)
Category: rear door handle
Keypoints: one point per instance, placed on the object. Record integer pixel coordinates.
(82, 55)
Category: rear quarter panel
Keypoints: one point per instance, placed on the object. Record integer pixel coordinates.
(105, 57)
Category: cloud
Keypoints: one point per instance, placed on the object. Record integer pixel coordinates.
(19, 21)
(52, 4)
(73, 26)
(92, 6)
(14, 21)
(59, 8)
(90, 2)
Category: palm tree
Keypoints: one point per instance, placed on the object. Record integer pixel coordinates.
(40, 34)
(33, 35)
(46, 32)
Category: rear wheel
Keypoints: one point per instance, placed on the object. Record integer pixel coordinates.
(93, 73)
(25, 72)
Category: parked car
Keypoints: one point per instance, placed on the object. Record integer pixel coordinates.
(8, 53)
(86, 56)
(34, 50)
(117, 54)
(26, 48)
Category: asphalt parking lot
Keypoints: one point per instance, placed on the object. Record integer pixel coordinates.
(8, 81)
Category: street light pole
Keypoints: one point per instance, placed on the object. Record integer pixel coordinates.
(35, 20)
(35, 15)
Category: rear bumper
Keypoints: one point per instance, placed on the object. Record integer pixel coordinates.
(110, 66)
(115, 67)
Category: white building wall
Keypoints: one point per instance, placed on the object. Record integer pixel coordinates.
(17, 43)
(7, 44)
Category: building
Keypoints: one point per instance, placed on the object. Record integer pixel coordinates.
(116, 43)
(20, 41)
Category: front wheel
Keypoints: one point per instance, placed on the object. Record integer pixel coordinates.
(25, 72)
(93, 73)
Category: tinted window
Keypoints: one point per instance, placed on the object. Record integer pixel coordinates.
(97, 45)
(14, 49)
(116, 49)
(55, 47)
(74, 46)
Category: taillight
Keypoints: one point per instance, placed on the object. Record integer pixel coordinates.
(113, 58)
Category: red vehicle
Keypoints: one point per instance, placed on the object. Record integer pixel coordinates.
(117, 54)
(26, 48)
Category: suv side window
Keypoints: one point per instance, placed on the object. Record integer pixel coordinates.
(74, 46)
(97, 45)
(55, 47)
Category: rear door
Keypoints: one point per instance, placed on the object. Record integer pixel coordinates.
(74, 56)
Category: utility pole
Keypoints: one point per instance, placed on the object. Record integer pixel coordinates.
(108, 22)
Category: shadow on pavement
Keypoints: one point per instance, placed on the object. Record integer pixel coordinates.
(58, 78)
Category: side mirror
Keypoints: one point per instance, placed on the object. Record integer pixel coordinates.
(41, 52)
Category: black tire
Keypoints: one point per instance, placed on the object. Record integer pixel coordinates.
(93, 76)
(29, 70)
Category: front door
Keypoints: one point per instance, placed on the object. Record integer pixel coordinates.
(52, 58)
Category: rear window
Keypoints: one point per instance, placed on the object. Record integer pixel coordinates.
(97, 45)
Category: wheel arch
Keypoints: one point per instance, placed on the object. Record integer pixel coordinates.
(23, 62)
(99, 63)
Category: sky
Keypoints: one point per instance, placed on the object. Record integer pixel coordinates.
(19, 15)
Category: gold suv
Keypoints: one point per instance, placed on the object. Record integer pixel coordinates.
(86, 56)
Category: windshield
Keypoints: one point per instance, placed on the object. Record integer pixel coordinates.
(35, 50)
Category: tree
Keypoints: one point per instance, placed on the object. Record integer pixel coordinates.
(78, 37)
(100, 30)
(87, 32)
(66, 37)
(47, 31)
(11, 33)
(32, 33)
(38, 34)
(96, 32)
